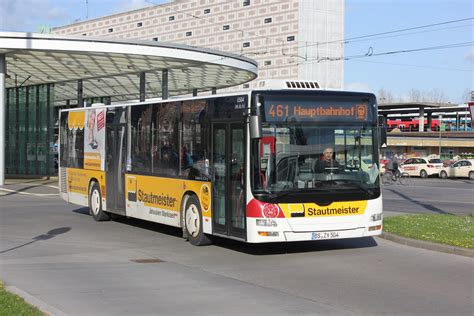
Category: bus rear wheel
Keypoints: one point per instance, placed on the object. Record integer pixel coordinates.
(193, 223)
(95, 204)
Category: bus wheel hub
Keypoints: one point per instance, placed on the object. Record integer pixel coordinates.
(192, 220)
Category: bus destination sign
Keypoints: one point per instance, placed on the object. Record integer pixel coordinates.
(278, 110)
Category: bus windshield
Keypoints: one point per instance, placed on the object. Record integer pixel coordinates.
(307, 158)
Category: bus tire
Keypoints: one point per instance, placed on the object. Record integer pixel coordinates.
(423, 174)
(193, 223)
(95, 203)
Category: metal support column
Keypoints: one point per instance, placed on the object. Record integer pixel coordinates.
(164, 84)
(37, 128)
(27, 128)
(17, 130)
(80, 100)
(142, 86)
(3, 70)
(428, 114)
(214, 90)
(49, 130)
(421, 120)
(195, 92)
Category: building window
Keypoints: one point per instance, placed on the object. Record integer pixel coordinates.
(246, 3)
(189, 33)
(290, 38)
(84, 34)
(226, 27)
(171, 18)
(155, 39)
(268, 20)
(207, 11)
(139, 24)
(246, 86)
(110, 30)
(267, 62)
(246, 44)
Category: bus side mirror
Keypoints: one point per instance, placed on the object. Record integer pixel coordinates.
(382, 136)
(255, 127)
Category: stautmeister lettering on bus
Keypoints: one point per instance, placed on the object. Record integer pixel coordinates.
(332, 211)
(156, 199)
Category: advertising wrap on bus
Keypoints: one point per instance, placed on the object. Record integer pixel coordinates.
(94, 139)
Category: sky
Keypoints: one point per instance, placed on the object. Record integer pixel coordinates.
(446, 72)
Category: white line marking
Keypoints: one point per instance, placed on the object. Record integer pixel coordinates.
(28, 193)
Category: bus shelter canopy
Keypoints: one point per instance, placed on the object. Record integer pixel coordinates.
(111, 68)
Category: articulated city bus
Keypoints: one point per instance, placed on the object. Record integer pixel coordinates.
(269, 165)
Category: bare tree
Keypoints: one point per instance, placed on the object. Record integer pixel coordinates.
(434, 95)
(385, 96)
(466, 96)
(414, 95)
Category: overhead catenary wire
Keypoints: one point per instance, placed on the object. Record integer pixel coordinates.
(373, 36)
(309, 43)
(412, 65)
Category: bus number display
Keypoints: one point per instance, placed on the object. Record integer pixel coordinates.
(278, 111)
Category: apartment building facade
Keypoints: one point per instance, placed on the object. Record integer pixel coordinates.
(290, 39)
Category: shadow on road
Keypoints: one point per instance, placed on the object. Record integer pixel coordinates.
(251, 249)
(82, 210)
(20, 190)
(50, 234)
(295, 247)
(426, 206)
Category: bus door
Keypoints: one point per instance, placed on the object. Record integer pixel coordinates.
(115, 167)
(228, 172)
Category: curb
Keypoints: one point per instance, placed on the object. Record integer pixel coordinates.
(36, 302)
(428, 245)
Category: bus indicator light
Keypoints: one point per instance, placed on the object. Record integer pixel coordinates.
(378, 227)
(269, 234)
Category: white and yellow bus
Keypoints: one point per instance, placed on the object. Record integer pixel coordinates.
(268, 165)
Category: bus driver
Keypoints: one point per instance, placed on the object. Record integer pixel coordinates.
(327, 163)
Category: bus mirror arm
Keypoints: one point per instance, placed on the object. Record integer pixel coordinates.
(255, 127)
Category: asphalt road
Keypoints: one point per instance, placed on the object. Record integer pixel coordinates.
(58, 254)
(430, 196)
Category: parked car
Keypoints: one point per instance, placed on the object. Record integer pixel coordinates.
(423, 167)
(459, 169)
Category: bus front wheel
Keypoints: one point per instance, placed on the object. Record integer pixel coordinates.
(95, 203)
(193, 223)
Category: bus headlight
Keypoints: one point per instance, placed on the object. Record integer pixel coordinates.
(266, 222)
(376, 217)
